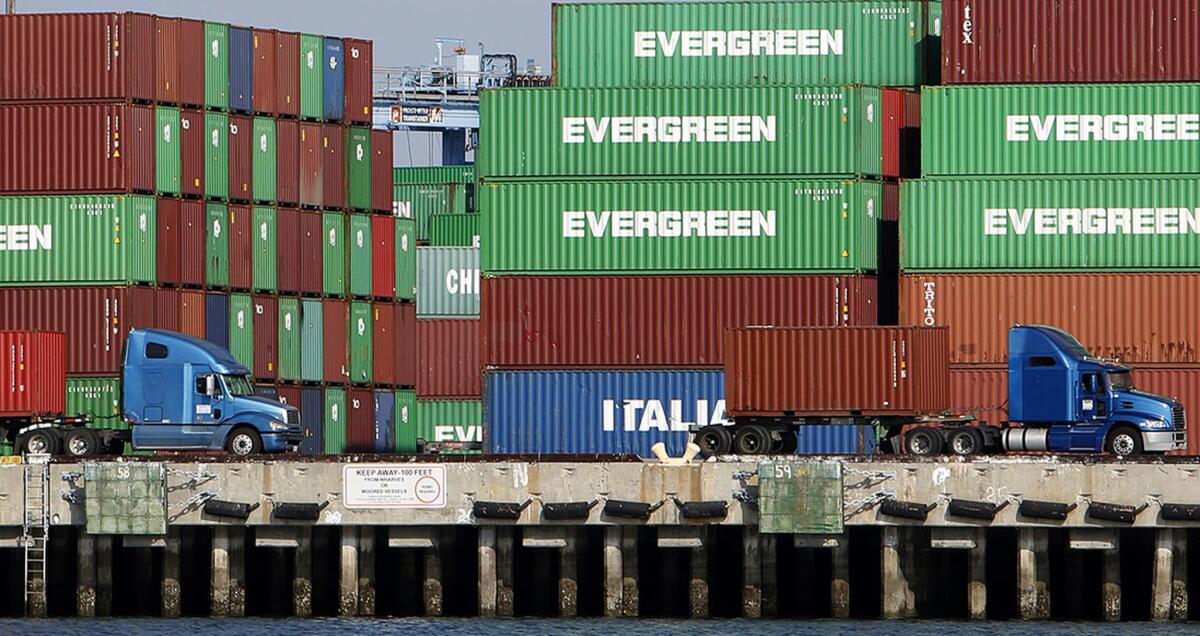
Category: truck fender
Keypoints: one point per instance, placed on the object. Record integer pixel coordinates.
(255, 421)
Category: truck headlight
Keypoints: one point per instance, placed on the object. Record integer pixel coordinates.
(1156, 425)
(279, 426)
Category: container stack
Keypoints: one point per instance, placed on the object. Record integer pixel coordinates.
(673, 184)
(441, 199)
(1060, 188)
(217, 180)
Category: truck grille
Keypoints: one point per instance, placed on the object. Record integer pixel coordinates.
(1178, 417)
(293, 418)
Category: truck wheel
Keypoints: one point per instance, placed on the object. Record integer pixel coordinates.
(923, 442)
(714, 440)
(790, 442)
(1124, 442)
(243, 442)
(751, 439)
(42, 440)
(81, 442)
(965, 442)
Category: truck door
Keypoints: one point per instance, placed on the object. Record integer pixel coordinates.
(1087, 433)
(166, 405)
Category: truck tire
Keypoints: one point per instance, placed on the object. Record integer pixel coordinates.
(751, 439)
(80, 442)
(244, 441)
(41, 440)
(923, 441)
(1124, 441)
(790, 442)
(714, 440)
(965, 442)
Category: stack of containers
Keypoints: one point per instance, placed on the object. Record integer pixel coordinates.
(697, 167)
(217, 180)
(1061, 189)
(441, 199)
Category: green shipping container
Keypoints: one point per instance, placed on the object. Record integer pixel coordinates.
(312, 82)
(216, 160)
(312, 343)
(358, 168)
(265, 247)
(454, 230)
(77, 240)
(216, 66)
(289, 327)
(1099, 223)
(720, 226)
(406, 260)
(422, 202)
(450, 422)
(263, 179)
(359, 234)
(434, 174)
(216, 247)
(98, 399)
(360, 326)
(335, 420)
(1060, 129)
(241, 328)
(732, 43)
(447, 282)
(763, 131)
(333, 258)
(406, 421)
(167, 168)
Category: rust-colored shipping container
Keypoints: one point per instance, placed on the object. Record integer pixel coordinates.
(624, 321)
(266, 337)
(167, 65)
(167, 241)
(287, 162)
(77, 57)
(241, 157)
(383, 340)
(901, 133)
(241, 247)
(381, 170)
(192, 313)
(406, 345)
(836, 371)
(360, 421)
(287, 73)
(448, 364)
(334, 322)
(310, 253)
(1069, 41)
(287, 250)
(383, 257)
(64, 148)
(333, 166)
(264, 69)
(312, 159)
(358, 55)
(166, 308)
(191, 62)
(191, 243)
(33, 373)
(1096, 308)
(192, 142)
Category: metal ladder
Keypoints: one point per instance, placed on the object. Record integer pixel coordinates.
(36, 528)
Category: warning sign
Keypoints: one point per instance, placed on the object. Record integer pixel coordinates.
(394, 486)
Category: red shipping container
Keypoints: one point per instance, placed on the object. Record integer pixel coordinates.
(287, 73)
(192, 312)
(33, 373)
(312, 160)
(980, 308)
(383, 257)
(290, 395)
(383, 341)
(77, 57)
(241, 156)
(241, 247)
(448, 363)
(287, 250)
(836, 371)
(893, 123)
(287, 158)
(192, 142)
(166, 308)
(61, 148)
(166, 60)
(406, 344)
(1069, 41)
(359, 67)
(333, 169)
(266, 336)
(310, 254)
(191, 62)
(167, 241)
(265, 83)
(620, 321)
(360, 421)
(381, 170)
(334, 321)
(191, 243)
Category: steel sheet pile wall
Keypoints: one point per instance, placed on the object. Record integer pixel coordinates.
(158, 172)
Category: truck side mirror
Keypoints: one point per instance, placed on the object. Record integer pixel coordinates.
(210, 386)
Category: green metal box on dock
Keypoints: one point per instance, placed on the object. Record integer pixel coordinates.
(406, 260)
(406, 421)
(447, 282)
(312, 344)
(359, 246)
(167, 167)
(335, 420)
(264, 163)
(241, 328)
(361, 323)
(96, 398)
(78, 240)
(450, 421)
(333, 257)
(312, 81)
(358, 168)
(265, 248)
(216, 155)
(216, 246)
(125, 498)
(454, 230)
(216, 66)
(289, 328)
(800, 497)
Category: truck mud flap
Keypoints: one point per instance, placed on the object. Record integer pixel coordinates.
(1181, 512)
(298, 511)
(229, 509)
(974, 509)
(703, 509)
(1114, 512)
(905, 509)
(500, 510)
(630, 509)
(569, 511)
(1045, 510)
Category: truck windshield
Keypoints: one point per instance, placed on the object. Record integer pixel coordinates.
(1120, 381)
(238, 385)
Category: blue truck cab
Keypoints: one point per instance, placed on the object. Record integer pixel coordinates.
(180, 392)
(1067, 400)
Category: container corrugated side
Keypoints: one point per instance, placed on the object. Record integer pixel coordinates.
(311, 83)
(265, 80)
(333, 253)
(192, 247)
(836, 439)
(287, 250)
(730, 43)
(385, 421)
(333, 76)
(312, 420)
(287, 162)
(192, 313)
(360, 248)
(216, 245)
(448, 358)
(333, 168)
(699, 226)
(448, 422)
(335, 318)
(434, 174)
(216, 319)
(383, 341)
(312, 340)
(241, 69)
(406, 259)
(381, 169)
(405, 434)
(1085, 223)
(33, 373)
(359, 82)
(216, 66)
(358, 168)
(166, 241)
(361, 331)
(421, 202)
(287, 73)
(447, 282)
(1057, 129)
(266, 337)
(762, 131)
(192, 143)
(97, 398)
(191, 59)
(216, 155)
(311, 253)
(265, 245)
(241, 247)
(312, 161)
(167, 62)
(241, 328)
(166, 150)
(454, 230)
(265, 175)
(289, 328)
(406, 345)
(383, 257)
(241, 157)
(335, 432)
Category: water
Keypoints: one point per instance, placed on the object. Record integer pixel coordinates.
(537, 627)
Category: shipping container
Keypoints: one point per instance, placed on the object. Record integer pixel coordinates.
(241, 329)
(694, 226)
(764, 131)
(333, 168)
(241, 247)
(89, 148)
(448, 363)
(422, 175)
(166, 308)
(312, 157)
(192, 143)
(358, 85)
(836, 439)
(287, 166)
(405, 435)
(383, 340)
(78, 57)
(333, 257)
(448, 422)
(192, 56)
(312, 345)
(360, 420)
(287, 251)
(265, 82)
(192, 320)
(1083, 223)
(241, 157)
(216, 155)
(422, 202)
(33, 374)
(310, 252)
(675, 44)
(241, 70)
(454, 230)
(599, 412)
(385, 422)
(166, 60)
(361, 329)
(167, 241)
(289, 339)
(383, 257)
(360, 247)
(1033, 41)
(619, 321)
(264, 178)
(266, 244)
(266, 337)
(406, 260)
(216, 66)
(287, 73)
(406, 352)
(358, 168)
(1060, 129)
(166, 150)
(335, 421)
(80, 239)
(216, 319)
(335, 323)
(217, 245)
(333, 76)
(312, 420)
(97, 398)
(312, 102)
(381, 170)
(447, 282)
(837, 371)
(191, 243)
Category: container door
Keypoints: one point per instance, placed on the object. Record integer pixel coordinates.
(333, 257)
(360, 255)
(360, 328)
(166, 151)
(216, 161)
(216, 251)
(385, 422)
(406, 259)
(311, 82)
(264, 179)
(241, 70)
(216, 66)
(265, 258)
(334, 79)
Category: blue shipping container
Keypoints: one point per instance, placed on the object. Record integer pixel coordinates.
(241, 69)
(840, 439)
(335, 79)
(312, 410)
(269, 392)
(216, 320)
(385, 422)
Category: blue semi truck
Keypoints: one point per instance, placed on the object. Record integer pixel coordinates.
(177, 393)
